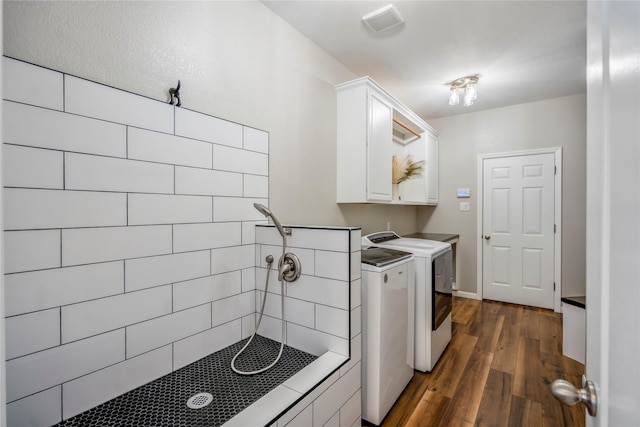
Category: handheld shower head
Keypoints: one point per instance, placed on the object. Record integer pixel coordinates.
(262, 209)
(266, 212)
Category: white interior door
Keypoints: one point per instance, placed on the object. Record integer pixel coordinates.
(613, 210)
(518, 229)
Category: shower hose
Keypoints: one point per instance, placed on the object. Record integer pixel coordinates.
(269, 260)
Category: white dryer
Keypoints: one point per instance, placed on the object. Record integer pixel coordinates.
(433, 293)
(387, 329)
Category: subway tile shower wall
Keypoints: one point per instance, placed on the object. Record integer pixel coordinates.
(130, 245)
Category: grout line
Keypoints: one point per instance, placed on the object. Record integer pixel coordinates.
(64, 170)
(61, 266)
(60, 314)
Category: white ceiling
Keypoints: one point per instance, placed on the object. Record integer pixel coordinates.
(524, 51)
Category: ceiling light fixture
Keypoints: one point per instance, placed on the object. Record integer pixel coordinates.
(383, 19)
(470, 86)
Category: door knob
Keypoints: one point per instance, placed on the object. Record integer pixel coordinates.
(570, 395)
(487, 237)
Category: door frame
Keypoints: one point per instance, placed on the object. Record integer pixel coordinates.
(557, 261)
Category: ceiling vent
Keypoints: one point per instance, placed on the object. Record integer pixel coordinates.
(383, 19)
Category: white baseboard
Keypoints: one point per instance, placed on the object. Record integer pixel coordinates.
(464, 294)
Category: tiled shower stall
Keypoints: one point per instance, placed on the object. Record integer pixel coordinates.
(132, 249)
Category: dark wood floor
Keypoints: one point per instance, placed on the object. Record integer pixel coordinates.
(495, 372)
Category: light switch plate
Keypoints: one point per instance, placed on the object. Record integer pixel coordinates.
(464, 206)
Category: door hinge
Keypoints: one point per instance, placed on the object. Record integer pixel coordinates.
(555, 170)
(554, 286)
(554, 228)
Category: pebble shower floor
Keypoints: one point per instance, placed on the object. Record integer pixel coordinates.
(163, 402)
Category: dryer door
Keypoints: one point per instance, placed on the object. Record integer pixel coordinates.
(442, 280)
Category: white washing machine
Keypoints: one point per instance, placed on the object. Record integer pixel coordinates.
(387, 329)
(433, 293)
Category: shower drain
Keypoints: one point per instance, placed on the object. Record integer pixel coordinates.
(199, 400)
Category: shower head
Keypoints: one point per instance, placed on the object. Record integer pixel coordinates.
(266, 212)
(262, 209)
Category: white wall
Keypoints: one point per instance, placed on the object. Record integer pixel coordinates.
(559, 122)
(236, 60)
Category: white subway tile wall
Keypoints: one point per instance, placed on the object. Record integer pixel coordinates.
(85, 98)
(60, 131)
(208, 182)
(82, 392)
(206, 289)
(49, 209)
(32, 168)
(160, 270)
(45, 328)
(99, 173)
(39, 290)
(131, 250)
(148, 209)
(40, 409)
(92, 245)
(307, 401)
(154, 333)
(33, 85)
(38, 371)
(94, 317)
(31, 249)
(210, 129)
(193, 237)
(200, 345)
(162, 148)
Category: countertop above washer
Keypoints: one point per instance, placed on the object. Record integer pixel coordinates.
(439, 237)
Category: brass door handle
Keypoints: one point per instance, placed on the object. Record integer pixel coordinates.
(487, 237)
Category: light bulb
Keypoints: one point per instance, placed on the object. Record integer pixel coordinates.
(470, 94)
(454, 98)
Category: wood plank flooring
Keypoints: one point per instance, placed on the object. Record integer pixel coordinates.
(495, 372)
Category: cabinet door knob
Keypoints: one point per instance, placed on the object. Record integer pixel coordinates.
(487, 237)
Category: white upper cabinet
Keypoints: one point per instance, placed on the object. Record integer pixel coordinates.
(373, 127)
(378, 150)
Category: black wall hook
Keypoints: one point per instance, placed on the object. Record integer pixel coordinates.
(175, 95)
